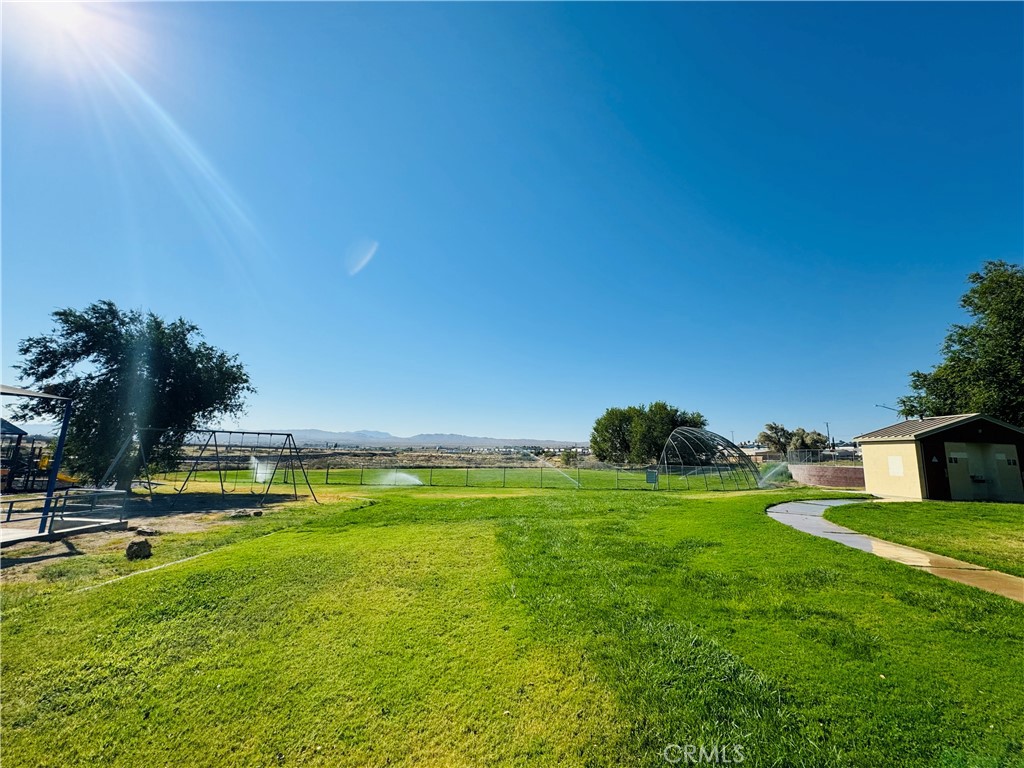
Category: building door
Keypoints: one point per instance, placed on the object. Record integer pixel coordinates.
(984, 472)
(961, 487)
(936, 474)
(1005, 466)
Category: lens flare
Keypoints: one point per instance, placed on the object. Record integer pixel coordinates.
(99, 47)
(359, 255)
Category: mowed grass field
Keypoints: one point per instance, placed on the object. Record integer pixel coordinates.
(985, 534)
(552, 476)
(510, 627)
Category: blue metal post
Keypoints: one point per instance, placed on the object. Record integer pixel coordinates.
(58, 455)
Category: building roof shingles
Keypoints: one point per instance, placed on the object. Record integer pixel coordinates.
(913, 429)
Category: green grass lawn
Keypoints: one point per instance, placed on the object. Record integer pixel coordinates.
(552, 476)
(445, 627)
(985, 534)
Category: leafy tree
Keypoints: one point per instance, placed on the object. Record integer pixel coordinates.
(775, 437)
(983, 366)
(781, 440)
(802, 440)
(610, 439)
(637, 434)
(127, 371)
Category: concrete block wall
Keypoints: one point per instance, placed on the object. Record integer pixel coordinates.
(827, 476)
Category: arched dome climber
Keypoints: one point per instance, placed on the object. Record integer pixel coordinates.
(706, 460)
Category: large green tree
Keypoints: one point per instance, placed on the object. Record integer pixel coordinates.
(777, 438)
(636, 434)
(612, 434)
(983, 366)
(128, 371)
(802, 440)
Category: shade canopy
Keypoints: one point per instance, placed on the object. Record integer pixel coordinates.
(19, 392)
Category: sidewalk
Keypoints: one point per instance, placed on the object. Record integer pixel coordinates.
(807, 516)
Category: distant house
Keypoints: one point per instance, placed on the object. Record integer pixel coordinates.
(759, 454)
(966, 457)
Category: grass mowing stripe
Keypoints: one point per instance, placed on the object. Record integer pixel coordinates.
(350, 649)
(677, 685)
(444, 627)
(819, 656)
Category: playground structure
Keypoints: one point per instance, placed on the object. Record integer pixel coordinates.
(14, 463)
(707, 459)
(51, 515)
(25, 465)
(239, 461)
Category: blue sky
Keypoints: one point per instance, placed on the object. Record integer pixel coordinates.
(501, 219)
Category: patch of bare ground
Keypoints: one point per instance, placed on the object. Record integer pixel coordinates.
(160, 514)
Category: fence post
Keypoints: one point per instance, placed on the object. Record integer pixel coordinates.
(503, 470)
(542, 476)
(360, 475)
(327, 479)
(616, 478)
(430, 477)
(467, 477)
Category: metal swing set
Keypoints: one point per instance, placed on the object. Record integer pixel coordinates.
(244, 462)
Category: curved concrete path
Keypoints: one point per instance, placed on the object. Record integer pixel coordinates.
(807, 516)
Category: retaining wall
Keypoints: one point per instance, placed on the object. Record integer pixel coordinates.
(828, 476)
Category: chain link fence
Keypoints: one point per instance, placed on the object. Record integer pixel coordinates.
(849, 458)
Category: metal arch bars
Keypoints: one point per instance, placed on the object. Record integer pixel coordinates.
(689, 451)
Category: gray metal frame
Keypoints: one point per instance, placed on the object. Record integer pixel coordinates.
(207, 439)
(287, 444)
(689, 451)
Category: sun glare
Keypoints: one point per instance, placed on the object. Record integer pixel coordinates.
(75, 38)
(65, 18)
(105, 54)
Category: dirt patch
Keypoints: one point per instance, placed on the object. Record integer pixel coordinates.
(163, 514)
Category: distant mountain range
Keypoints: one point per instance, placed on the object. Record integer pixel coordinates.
(373, 439)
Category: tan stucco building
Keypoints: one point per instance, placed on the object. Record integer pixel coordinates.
(966, 457)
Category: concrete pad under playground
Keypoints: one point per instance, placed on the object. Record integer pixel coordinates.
(13, 535)
(807, 516)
